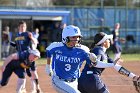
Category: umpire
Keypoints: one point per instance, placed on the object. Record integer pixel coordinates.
(17, 65)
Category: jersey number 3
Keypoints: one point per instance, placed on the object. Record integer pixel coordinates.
(67, 67)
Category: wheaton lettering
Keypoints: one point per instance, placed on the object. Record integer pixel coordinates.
(67, 59)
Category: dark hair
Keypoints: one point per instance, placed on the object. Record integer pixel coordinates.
(97, 38)
(21, 22)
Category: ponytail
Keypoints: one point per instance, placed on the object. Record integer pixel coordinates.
(92, 46)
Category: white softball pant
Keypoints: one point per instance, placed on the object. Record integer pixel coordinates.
(62, 86)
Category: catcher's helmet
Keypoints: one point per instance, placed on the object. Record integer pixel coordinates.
(70, 31)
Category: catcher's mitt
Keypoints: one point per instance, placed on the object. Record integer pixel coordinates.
(136, 82)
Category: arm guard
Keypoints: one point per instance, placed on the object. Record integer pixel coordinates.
(124, 71)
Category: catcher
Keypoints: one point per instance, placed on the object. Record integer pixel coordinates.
(17, 63)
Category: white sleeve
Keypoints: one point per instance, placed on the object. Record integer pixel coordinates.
(118, 67)
(34, 44)
(101, 64)
(34, 41)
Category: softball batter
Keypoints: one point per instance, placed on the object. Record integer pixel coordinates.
(67, 57)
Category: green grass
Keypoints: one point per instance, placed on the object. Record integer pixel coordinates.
(125, 57)
(41, 61)
(129, 57)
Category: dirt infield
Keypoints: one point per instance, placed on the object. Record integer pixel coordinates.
(116, 83)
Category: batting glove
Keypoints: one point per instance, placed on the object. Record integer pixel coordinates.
(48, 69)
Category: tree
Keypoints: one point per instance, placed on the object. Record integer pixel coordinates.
(5, 2)
(26, 3)
(76, 2)
(45, 3)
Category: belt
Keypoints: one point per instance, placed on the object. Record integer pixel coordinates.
(89, 72)
(68, 80)
(92, 73)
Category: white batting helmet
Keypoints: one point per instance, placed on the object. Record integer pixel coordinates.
(70, 31)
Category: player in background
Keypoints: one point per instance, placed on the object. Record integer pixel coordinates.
(90, 81)
(23, 41)
(17, 63)
(66, 59)
(35, 35)
(5, 42)
(116, 47)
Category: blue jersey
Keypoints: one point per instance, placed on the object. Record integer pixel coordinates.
(66, 62)
(23, 41)
(102, 56)
(115, 35)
